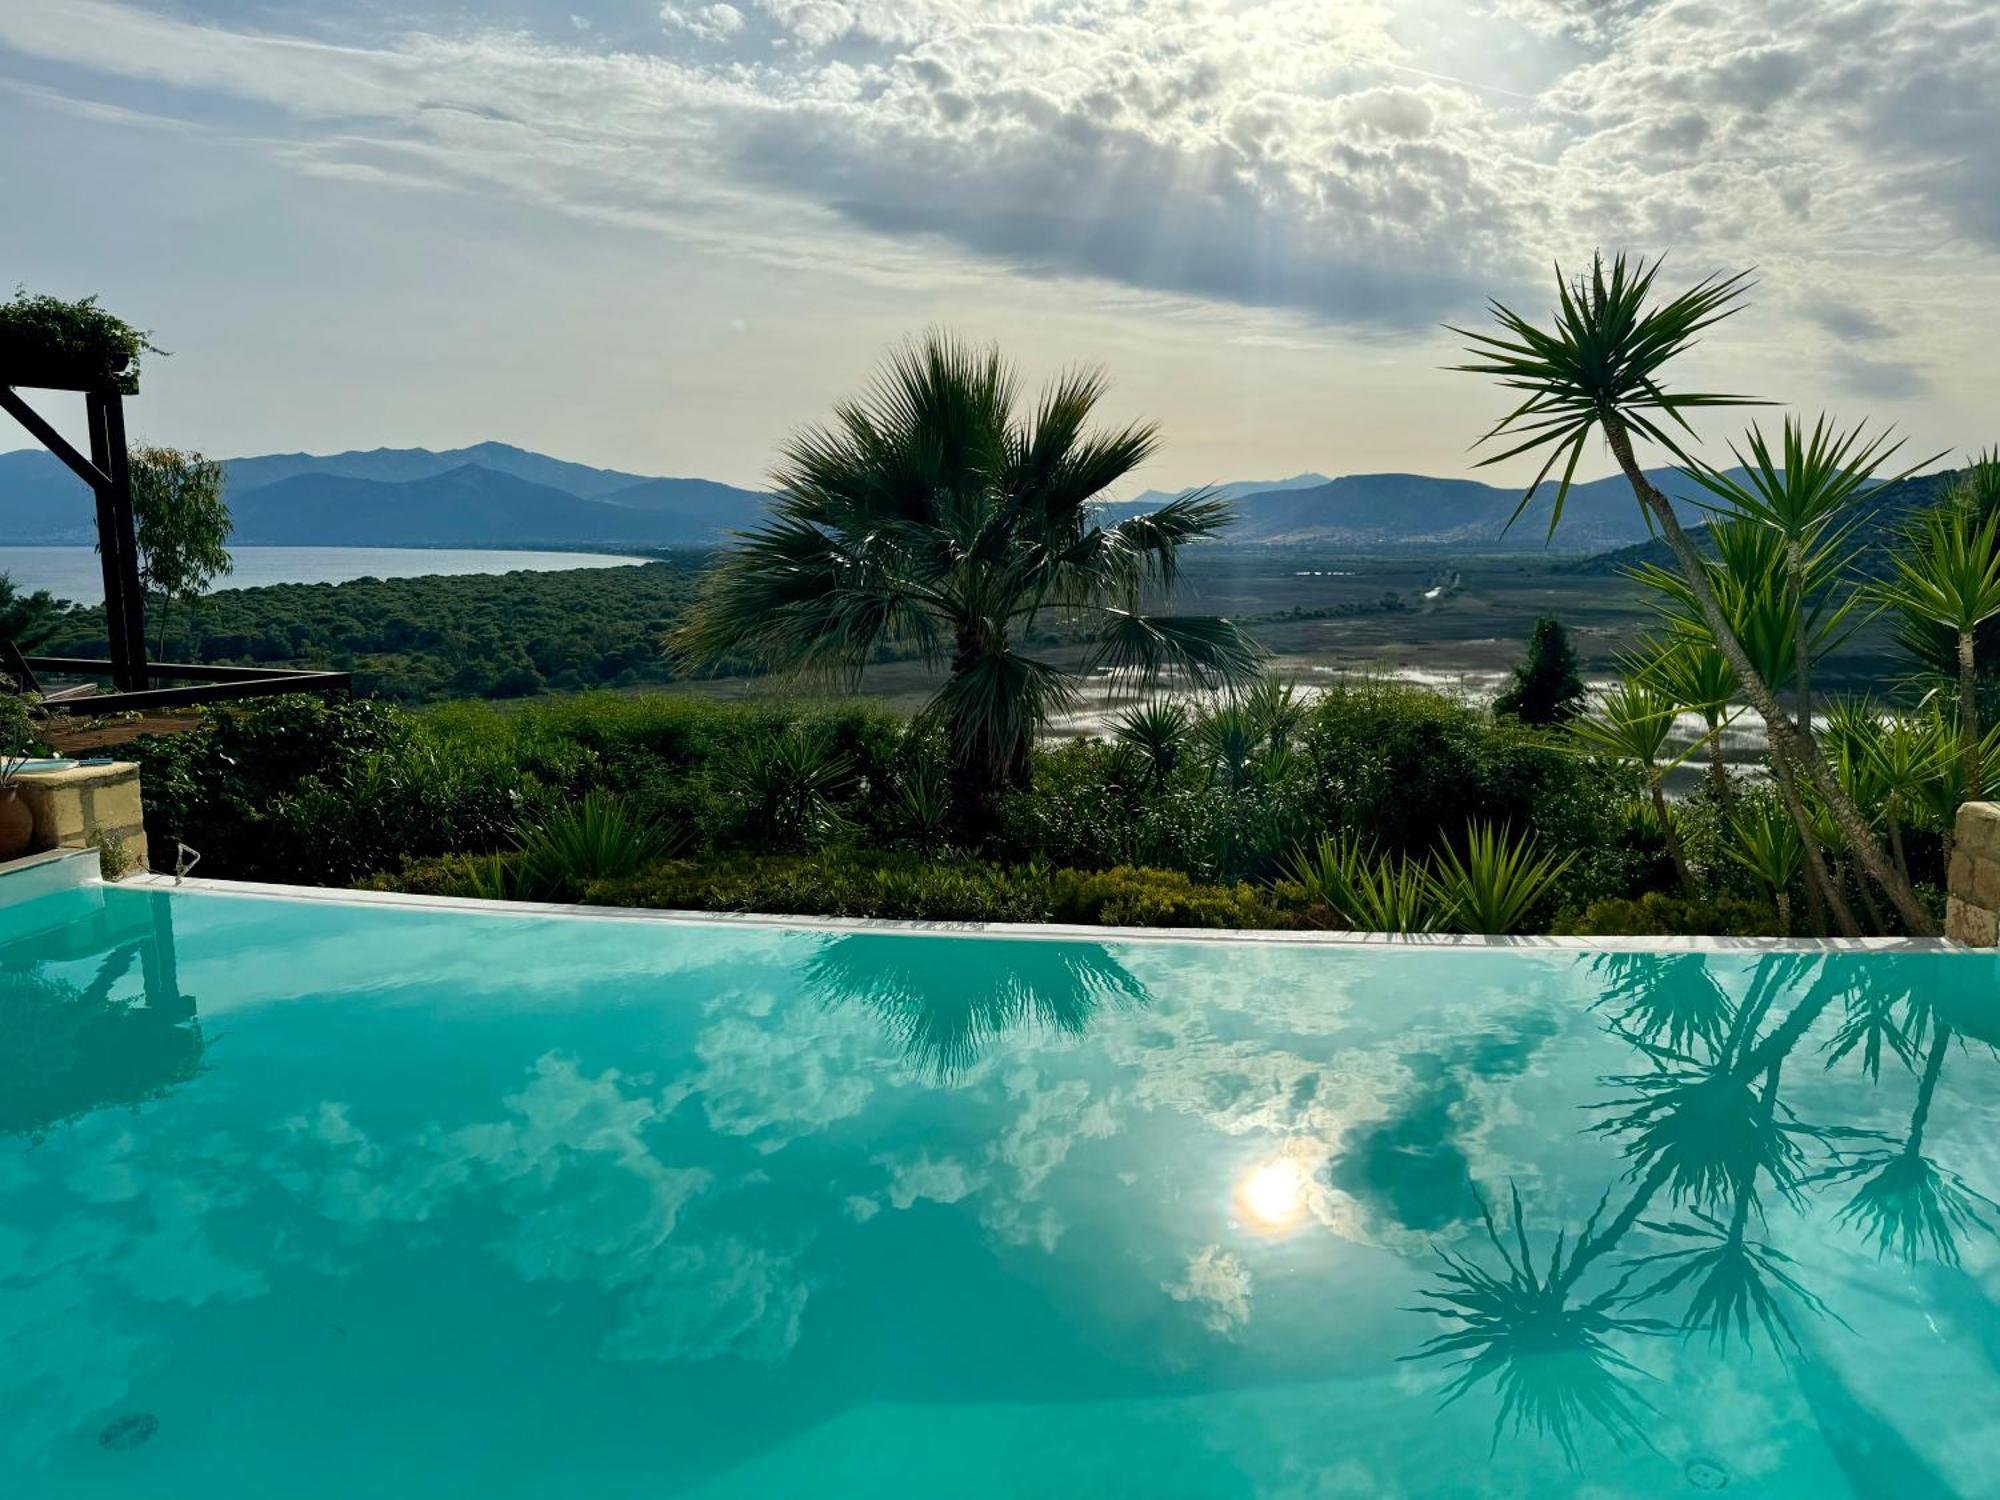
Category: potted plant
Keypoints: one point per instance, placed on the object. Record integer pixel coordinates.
(17, 823)
(49, 343)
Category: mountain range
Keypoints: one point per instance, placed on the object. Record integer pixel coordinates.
(488, 495)
(496, 495)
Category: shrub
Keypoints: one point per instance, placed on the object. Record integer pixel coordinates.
(19, 734)
(1129, 897)
(296, 790)
(562, 852)
(67, 343)
(839, 883)
(1658, 914)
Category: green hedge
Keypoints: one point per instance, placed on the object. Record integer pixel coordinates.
(910, 887)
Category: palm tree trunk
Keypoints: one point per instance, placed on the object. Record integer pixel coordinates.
(1968, 713)
(1804, 753)
(1718, 768)
(1896, 849)
(1785, 912)
(1795, 560)
(1820, 889)
(1673, 839)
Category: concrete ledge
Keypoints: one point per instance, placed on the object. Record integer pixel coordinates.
(1972, 913)
(88, 806)
(51, 870)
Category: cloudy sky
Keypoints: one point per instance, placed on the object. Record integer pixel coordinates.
(660, 236)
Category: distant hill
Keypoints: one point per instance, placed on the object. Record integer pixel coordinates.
(488, 495)
(1395, 512)
(1878, 514)
(1233, 490)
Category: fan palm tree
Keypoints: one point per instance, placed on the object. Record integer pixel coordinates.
(937, 513)
(1949, 575)
(1598, 373)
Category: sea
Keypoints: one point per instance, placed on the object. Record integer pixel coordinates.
(73, 572)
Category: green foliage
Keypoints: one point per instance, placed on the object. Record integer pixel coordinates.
(183, 525)
(1495, 882)
(1767, 844)
(793, 782)
(419, 640)
(299, 791)
(562, 852)
(935, 514)
(870, 883)
(29, 620)
(1597, 368)
(19, 734)
(840, 883)
(1548, 686)
(1659, 914)
(1158, 732)
(46, 340)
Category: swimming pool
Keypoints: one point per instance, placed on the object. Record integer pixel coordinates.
(310, 1198)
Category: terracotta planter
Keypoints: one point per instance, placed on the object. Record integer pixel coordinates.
(17, 824)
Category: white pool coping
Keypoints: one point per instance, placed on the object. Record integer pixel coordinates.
(1057, 931)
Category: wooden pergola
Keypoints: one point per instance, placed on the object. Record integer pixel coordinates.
(133, 679)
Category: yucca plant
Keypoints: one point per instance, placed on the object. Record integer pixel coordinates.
(1805, 496)
(1598, 370)
(793, 781)
(594, 838)
(1496, 881)
(1366, 890)
(1687, 669)
(1633, 725)
(943, 513)
(1905, 756)
(1158, 732)
(1947, 574)
(1231, 735)
(1767, 844)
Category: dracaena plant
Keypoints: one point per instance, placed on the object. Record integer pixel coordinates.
(1597, 370)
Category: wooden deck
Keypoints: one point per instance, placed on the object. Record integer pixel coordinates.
(80, 737)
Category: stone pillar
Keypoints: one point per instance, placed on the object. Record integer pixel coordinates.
(89, 806)
(1972, 914)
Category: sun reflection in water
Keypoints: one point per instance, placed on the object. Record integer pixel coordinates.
(1274, 1195)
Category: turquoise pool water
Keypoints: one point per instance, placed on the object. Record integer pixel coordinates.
(305, 1199)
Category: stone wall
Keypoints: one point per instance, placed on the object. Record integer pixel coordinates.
(1973, 913)
(89, 806)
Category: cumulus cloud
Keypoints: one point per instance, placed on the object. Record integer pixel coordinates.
(1219, 1283)
(1321, 160)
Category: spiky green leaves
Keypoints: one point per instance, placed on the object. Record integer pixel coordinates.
(1598, 362)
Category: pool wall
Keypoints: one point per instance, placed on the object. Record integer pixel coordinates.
(1054, 931)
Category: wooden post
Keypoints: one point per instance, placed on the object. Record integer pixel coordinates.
(124, 602)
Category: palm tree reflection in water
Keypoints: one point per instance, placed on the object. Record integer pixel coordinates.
(945, 1010)
(1710, 1144)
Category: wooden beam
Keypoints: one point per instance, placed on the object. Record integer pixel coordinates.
(52, 440)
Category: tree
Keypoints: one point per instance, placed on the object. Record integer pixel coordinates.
(183, 525)
(1547, 687)
(1599, 372)
(935, 514)
(26, 619)
(1949, 576)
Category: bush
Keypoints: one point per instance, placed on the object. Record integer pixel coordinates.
(45, 339)
(300, 791)
(1658, 914)
(841, 883)
(19, 734)
(1129, 897)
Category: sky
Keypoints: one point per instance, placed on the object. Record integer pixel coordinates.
(660, 237)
